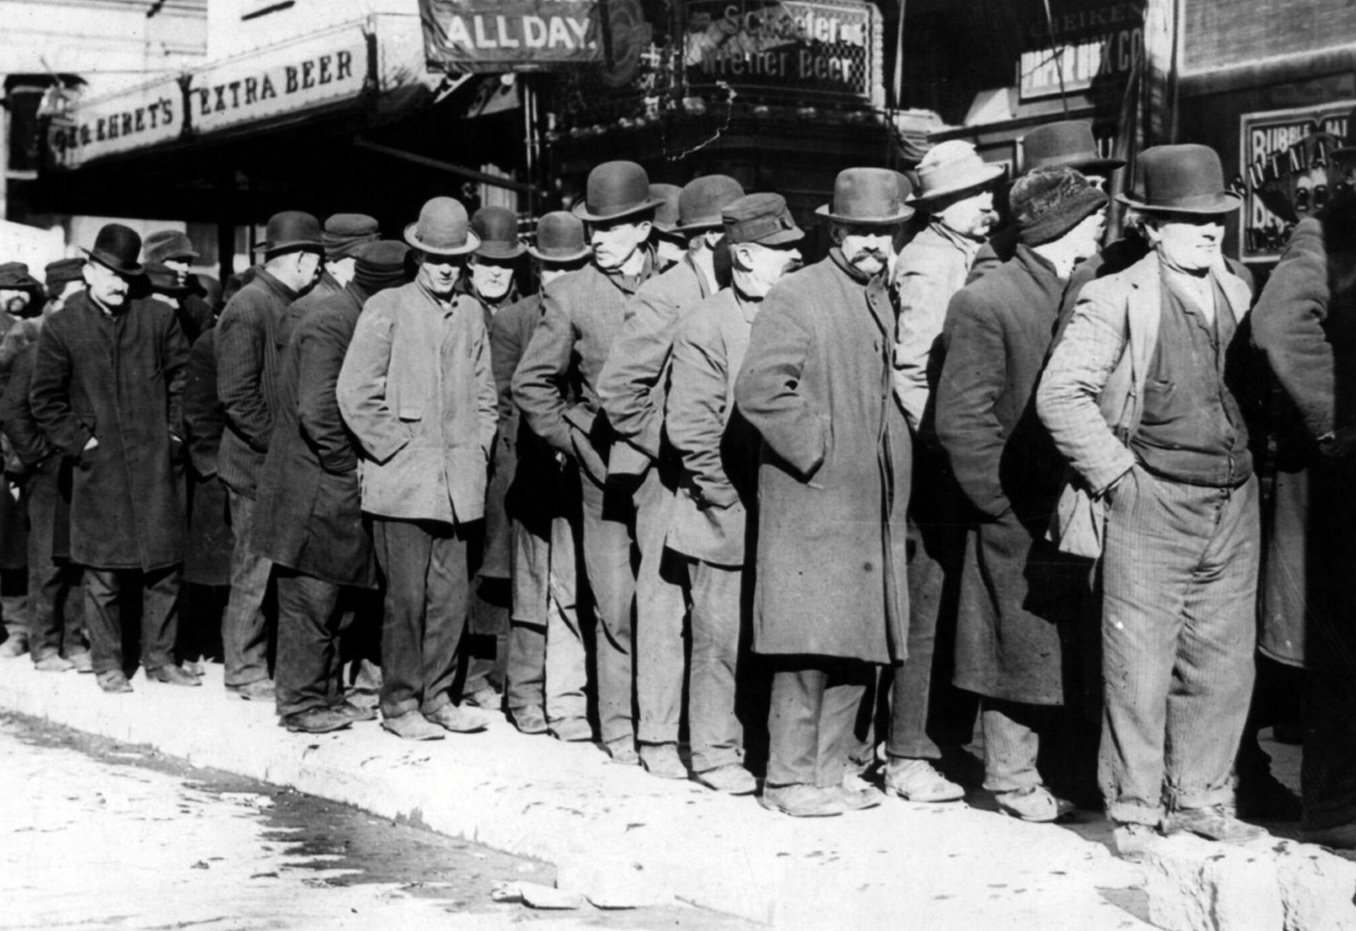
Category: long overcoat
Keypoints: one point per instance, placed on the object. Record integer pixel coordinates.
(1019, 595)
(833, 481)
(211, 540)
(118, 378)
(309, 515)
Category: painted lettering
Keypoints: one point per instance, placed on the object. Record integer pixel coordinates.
(325, 76)
(345, 65)
(307, 77)
(291, 72)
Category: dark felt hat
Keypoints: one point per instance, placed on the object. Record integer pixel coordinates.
(345, 232)
(168, 244)
(14, 276)
(1066, 144)
(868, 196)
(58, 273)
(560, 238)
(1180, 179)
(616, 190)
(762, 219)
(442, 229)
(116, 247)
(497, 228)
(666, 214)
(702, 199)
(291, 230)
(951, 167)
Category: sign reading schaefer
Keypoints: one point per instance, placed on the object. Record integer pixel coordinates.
(1285, 172)
(819, 47)
(510, 35)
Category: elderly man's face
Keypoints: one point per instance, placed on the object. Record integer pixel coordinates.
(106, 286)
(491, 278)
(972, 215)
(759, 267)
(1190, 242)
(439, 273)
(866, 248)
(615, 242)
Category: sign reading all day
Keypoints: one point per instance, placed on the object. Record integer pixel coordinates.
(510, 35)
(817, 46)
(137, 117)
(1286, 172)
(1081, 44)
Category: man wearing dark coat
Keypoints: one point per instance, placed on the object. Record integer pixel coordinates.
(172, 251)
(247, 373)
(309, 522)
(831, 603)
(1019, 595)
(107, 386)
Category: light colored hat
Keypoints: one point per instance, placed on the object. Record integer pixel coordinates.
(443, 228)
(950, 167)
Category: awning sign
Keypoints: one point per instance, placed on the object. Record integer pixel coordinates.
(137, 117)
(510, 35)
(1083, 43)
(1286, 172)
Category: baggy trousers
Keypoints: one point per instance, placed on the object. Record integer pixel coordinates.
(309, 671)
(159, 615)
(661, 607)
(607, 560)
(815, 707)
(244, 629)
(717, 613)
(427, 599)
(1178, 635)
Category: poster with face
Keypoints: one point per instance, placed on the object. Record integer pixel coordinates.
(1286, 172)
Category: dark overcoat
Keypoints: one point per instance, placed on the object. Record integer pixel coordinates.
(210, 541)
(1019, 594)
(118, 378)
(37, 457)
(833, 480)
(309, 513)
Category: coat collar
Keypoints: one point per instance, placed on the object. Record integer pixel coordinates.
(266, 280)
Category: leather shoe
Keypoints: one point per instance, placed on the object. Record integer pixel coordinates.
(459, 719)
(113, 681)
(315, 721)
(53, 663)
(662, 760)
(572, 730)
(354, 713)
(803, 800)
(529, 720)
(81, 661)
(918, 781)
(622, 751)
(486, 698)
(1036, 804)
(14, 645)
(258, 690)
(858, 794)
(412, 726)
(172, 675)
(1214, 823)
(732, 779)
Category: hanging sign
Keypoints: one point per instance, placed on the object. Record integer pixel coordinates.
(131, 119)
(510, 35)
(1082, 43)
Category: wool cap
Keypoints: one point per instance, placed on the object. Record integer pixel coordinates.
(1048, 202)
(762, 219)
(58, 273)
(345, 232)
(382, 263)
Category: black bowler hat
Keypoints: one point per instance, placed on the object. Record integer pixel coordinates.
(292, 230)
(116, 247)
(1065, 144)
(701, 201)
(497, 228)
(1180, 179)
(560, 238)
(616, 190)
(666, 214)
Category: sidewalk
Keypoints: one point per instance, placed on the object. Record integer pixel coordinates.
(619, 833)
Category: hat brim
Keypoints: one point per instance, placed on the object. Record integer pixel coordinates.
(558, 257)
(131, 271)
(290, 245)
(471, 245)
(699, 226)
(582, 212)
(1224, 202)
(779, 238)
(498, 250)
(1078, 161)
(826, 210)
(986, 176)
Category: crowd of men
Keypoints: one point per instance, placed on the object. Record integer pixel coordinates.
(823, 514)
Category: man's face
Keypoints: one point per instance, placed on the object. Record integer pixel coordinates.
(341, 270)
(180, 267)
(615, 242)
(760, 267)
(13, 301)
(1187, 241)
(972, 215)
(439, 273)
(1086, 237)
(105, 285)
(491, 278)
(866, 248)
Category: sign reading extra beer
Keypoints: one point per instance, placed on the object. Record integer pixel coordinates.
(510, 35)
(1286, 172)
(826, 47)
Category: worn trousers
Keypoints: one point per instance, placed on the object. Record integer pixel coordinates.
(608, 523)
(812, 722)
(1178, 636)
(661, 608)
(426, 604)
(55, 602)
(309, 671)
(717, 737)
(1012, 743)
(547, 662)
(159, 615)
(244, 627)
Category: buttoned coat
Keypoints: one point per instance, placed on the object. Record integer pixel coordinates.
(833, 482)
(247, 371)
(309, 512)
(556, 384)
(210, 541)
(417, 392)
(717, 446)
(1017, 589)
(118, 378)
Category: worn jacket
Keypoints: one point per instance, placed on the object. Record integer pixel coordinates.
(118, 378)
(417, 392)
(833, 483)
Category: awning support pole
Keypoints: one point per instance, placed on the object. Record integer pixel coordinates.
(438, 165)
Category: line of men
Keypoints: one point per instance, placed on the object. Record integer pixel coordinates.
(845, 463)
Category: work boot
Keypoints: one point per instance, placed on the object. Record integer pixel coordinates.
(172, 675)
(662, 760)
(529, 720)
(315, 721)
(16, 644)
(804, 801)
(572, 730)
(622, 751)
(1216, 823)
(114, 682)
(258, 690)
(412, 726)
(81, 661)
(354, 713)
(459, 719)
(857, 793)
(732, 779)
(1034, 803)
(53, 663)
(918, 781)
(484, 697)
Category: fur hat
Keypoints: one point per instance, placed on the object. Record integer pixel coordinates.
(1048, 202)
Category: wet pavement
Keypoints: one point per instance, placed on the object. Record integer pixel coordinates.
(100, 834)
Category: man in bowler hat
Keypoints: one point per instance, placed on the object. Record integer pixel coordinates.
(106, 391)
(831, 604)
(247, 346)
(583, 317)
(1141, 396)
